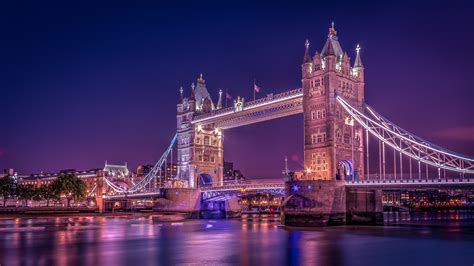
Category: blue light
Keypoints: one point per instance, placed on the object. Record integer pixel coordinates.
(309, 186)
(295, 188)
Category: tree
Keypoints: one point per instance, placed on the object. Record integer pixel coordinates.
(51, 192)
(7, 188)
(25, 192)
(72, 187)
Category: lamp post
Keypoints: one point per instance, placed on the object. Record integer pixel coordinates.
(350, 122)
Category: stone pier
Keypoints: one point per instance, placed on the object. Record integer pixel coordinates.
(182, 200)
(329, 202)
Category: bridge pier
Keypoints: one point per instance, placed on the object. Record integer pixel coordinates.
(182, 200)
(364, 206)
(329, 202)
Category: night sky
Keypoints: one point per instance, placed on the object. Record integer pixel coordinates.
(87, 83)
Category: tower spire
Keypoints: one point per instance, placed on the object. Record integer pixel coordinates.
(358, 61)
(192, 91)
(332, 30)
(307, 57)
(219, 103)
(181, 94)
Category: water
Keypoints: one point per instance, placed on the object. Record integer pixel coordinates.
(442, 239)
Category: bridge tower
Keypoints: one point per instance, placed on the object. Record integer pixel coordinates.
(328, 135)
(199, 147)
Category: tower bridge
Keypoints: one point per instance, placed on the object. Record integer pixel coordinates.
(339, 128)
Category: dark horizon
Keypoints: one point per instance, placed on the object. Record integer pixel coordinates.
(86, 84)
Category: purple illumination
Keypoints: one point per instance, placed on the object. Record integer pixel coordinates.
(81, 85)
(295, 188)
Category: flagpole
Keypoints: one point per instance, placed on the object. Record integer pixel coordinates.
(254, 89)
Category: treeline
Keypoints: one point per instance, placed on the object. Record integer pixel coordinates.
(68, 185)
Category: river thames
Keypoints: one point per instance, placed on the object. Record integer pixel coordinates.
(445, 238)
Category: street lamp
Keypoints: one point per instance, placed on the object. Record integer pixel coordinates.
(350, 122)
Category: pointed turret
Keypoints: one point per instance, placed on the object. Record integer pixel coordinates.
(181, 98)
(191, 97)
(307, 57)
(219, 103)
(358, 61)
(332, 46)
(307, 66)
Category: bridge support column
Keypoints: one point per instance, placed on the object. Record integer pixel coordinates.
(314, 203)
(180, 200)
(232, 208)
(364, 206)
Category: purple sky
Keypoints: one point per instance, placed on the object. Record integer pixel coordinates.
(85, 84)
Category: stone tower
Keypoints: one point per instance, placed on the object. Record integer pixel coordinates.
(199, 148)
(328, 133)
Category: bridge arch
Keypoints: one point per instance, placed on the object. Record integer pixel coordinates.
(345, 170)
(205, 180)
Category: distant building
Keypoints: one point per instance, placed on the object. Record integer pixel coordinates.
(116, 170)
(232, 175)
(42, 179)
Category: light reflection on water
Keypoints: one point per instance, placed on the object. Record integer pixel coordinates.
(408, 239)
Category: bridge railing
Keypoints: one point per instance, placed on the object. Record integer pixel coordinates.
(243, 186)
(269, 98)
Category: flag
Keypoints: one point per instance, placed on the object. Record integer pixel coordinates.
(227, 96)
(256, 88)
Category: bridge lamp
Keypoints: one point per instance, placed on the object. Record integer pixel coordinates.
(308, 170)
(295, 188)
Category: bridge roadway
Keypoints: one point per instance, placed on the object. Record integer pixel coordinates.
(230, 191)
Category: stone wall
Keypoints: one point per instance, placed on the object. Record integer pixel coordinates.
(364, 206)
(180, 200)
(314, 203)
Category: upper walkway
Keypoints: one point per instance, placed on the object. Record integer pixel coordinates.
(270, 107)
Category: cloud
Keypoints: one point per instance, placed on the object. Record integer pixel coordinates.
(456, 133)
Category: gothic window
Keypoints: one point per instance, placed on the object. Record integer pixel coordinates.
(338, 135)
(206, 158)
(323, 113)
(319, 139)
(313, 115)
(313, 138)
(198, 140)
(318, 114)
(200, 158)
(206, 140)
(313, 155)
(212, 159)
(214, 142)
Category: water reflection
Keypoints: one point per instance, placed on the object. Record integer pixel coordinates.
(435, 239)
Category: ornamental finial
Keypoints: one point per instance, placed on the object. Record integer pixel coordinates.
(357, 48)
(200, 79)
(306, 44)
(332, 30)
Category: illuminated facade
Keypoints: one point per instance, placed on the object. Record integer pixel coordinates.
(199, 147)
(328, 135)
